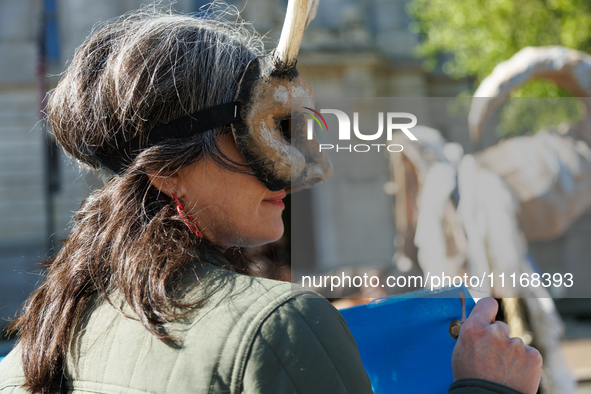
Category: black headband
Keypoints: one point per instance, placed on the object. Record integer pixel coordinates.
(184, 127)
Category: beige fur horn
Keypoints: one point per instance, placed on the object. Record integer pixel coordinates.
(568, 68)
(298, 16)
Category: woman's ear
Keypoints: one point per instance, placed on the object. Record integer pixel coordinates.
(166, 184)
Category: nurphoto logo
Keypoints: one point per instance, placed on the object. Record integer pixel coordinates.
(344, 132)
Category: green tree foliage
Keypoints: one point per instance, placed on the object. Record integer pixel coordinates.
(476, 35)
(482, 33)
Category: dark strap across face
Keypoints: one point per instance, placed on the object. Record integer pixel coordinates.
(184, 127)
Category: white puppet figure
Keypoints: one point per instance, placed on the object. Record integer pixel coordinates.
(522, 189)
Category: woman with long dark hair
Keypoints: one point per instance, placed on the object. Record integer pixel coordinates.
(149, 292)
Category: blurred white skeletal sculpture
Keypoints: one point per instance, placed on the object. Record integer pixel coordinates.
(523, 189)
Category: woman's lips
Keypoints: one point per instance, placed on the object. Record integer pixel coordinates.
(277, 200)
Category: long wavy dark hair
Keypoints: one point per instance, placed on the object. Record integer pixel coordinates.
(130, 75)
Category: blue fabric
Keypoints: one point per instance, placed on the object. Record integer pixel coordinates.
(404, 340)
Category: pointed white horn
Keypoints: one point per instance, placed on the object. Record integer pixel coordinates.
(296, 20)
(568, 68)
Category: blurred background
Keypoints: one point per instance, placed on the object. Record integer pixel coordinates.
(370, 48)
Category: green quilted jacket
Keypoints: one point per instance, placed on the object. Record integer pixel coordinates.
(249, 335)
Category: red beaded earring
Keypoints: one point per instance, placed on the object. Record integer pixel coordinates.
(180, 208)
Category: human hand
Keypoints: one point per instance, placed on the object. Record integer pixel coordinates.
(485, 351)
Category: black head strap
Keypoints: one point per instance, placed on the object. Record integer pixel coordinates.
(184, 127)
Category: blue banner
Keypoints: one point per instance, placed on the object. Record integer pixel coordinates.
(404, 340)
